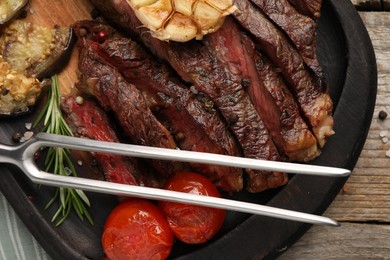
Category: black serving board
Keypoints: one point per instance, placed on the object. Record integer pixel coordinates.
(346, 54)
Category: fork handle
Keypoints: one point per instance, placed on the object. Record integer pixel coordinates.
(7, 153)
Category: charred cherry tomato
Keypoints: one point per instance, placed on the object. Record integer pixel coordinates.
(137, 229)
(192, 224)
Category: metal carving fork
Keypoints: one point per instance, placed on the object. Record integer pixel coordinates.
(23, 157)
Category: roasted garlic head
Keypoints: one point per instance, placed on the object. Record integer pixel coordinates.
(182, 20)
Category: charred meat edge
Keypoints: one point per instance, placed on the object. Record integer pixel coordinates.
(88, 120)
(229, 49)
(299, 28)
(310, 8)
(313, 100)
(194, 126)
(301, 144)
(114, 93)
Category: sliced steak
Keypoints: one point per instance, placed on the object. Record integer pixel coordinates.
(113, 92)
(90, 121)
(227, 45)
(194, 126)
(195, 64)
(300, 143)
(267, 91)
(300, 29)
(185, 114)
(310, 8)
(313, 99)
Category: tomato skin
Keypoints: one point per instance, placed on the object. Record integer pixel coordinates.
(190, 223)
(137, 229)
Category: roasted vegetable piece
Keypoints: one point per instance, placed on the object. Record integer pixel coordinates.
(181, 20)
(10, 9)
(17, 92)
(34, 50)
(29, 52)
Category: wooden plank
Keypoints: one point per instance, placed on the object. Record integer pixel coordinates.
(370, 179)
(350, 241)
(368, 5)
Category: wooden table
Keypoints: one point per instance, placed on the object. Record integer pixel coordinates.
(363, 206)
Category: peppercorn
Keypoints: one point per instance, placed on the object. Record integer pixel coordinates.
(4, 91)
(382, 115)
(101, 37)
(16, 137)
(83, 32)
(37, 155)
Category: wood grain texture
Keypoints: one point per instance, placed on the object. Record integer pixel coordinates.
(372, 5)
(350, 241)
(368, 4)
(366, 195)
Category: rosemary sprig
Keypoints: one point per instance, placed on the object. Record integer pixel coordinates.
(58, 159)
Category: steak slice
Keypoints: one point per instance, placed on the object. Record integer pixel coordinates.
(90, 121)
(310, 8)
(113, 92)
(299, 28)
(300, 143)
(227, 45)
(313, 100)
(194, 126)
(267, 91)
(195, 64)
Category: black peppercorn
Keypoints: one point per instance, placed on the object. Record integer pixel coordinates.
(4, 91)
(382, 115)
(16, 137)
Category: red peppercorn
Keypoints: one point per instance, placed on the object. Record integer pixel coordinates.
(101, 37)
(37, 155)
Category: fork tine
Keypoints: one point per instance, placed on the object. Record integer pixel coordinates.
(45, 178)
(45, 139)
(23, 157)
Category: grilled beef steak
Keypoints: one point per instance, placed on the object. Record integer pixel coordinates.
(195, 64)
(226, 44)
(194, 126)
(299, 28)
(113, 92)
(310, 8)
(267, 91)
(89, 121)
(185, 114)
(300, 143)
(313, 99)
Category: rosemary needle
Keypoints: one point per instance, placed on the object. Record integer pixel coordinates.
(58, 159)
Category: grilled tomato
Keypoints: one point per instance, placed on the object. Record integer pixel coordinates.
(192, 224)
(137, 229)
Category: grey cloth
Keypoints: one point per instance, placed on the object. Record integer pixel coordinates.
(16, 242)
